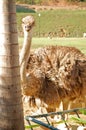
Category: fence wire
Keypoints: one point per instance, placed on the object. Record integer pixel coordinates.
(37, 118)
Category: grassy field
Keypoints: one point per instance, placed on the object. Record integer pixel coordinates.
(52, 21)
(73, 21)
(79, 43)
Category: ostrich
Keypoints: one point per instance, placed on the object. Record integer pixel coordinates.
(53, 73)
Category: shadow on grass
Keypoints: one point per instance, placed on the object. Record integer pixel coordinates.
(21, 9)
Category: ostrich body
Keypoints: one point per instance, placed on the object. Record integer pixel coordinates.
(53, 73)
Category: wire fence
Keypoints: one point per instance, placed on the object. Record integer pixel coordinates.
(38, 118)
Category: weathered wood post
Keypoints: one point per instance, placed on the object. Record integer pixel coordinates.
(11, 108)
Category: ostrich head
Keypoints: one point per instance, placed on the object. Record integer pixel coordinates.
(28, 23)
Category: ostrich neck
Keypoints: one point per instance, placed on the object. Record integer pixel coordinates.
(24, 56)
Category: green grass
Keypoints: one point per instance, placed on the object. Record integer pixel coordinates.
(79, 43)
(73, 21)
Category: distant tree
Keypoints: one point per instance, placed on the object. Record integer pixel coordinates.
(76, 0)
(29, 1)
(23, 1)
(83, 0)
(44, 1)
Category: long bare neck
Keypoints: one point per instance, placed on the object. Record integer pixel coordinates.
(24, 55)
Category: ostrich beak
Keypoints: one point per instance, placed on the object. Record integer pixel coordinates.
(27, 28)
